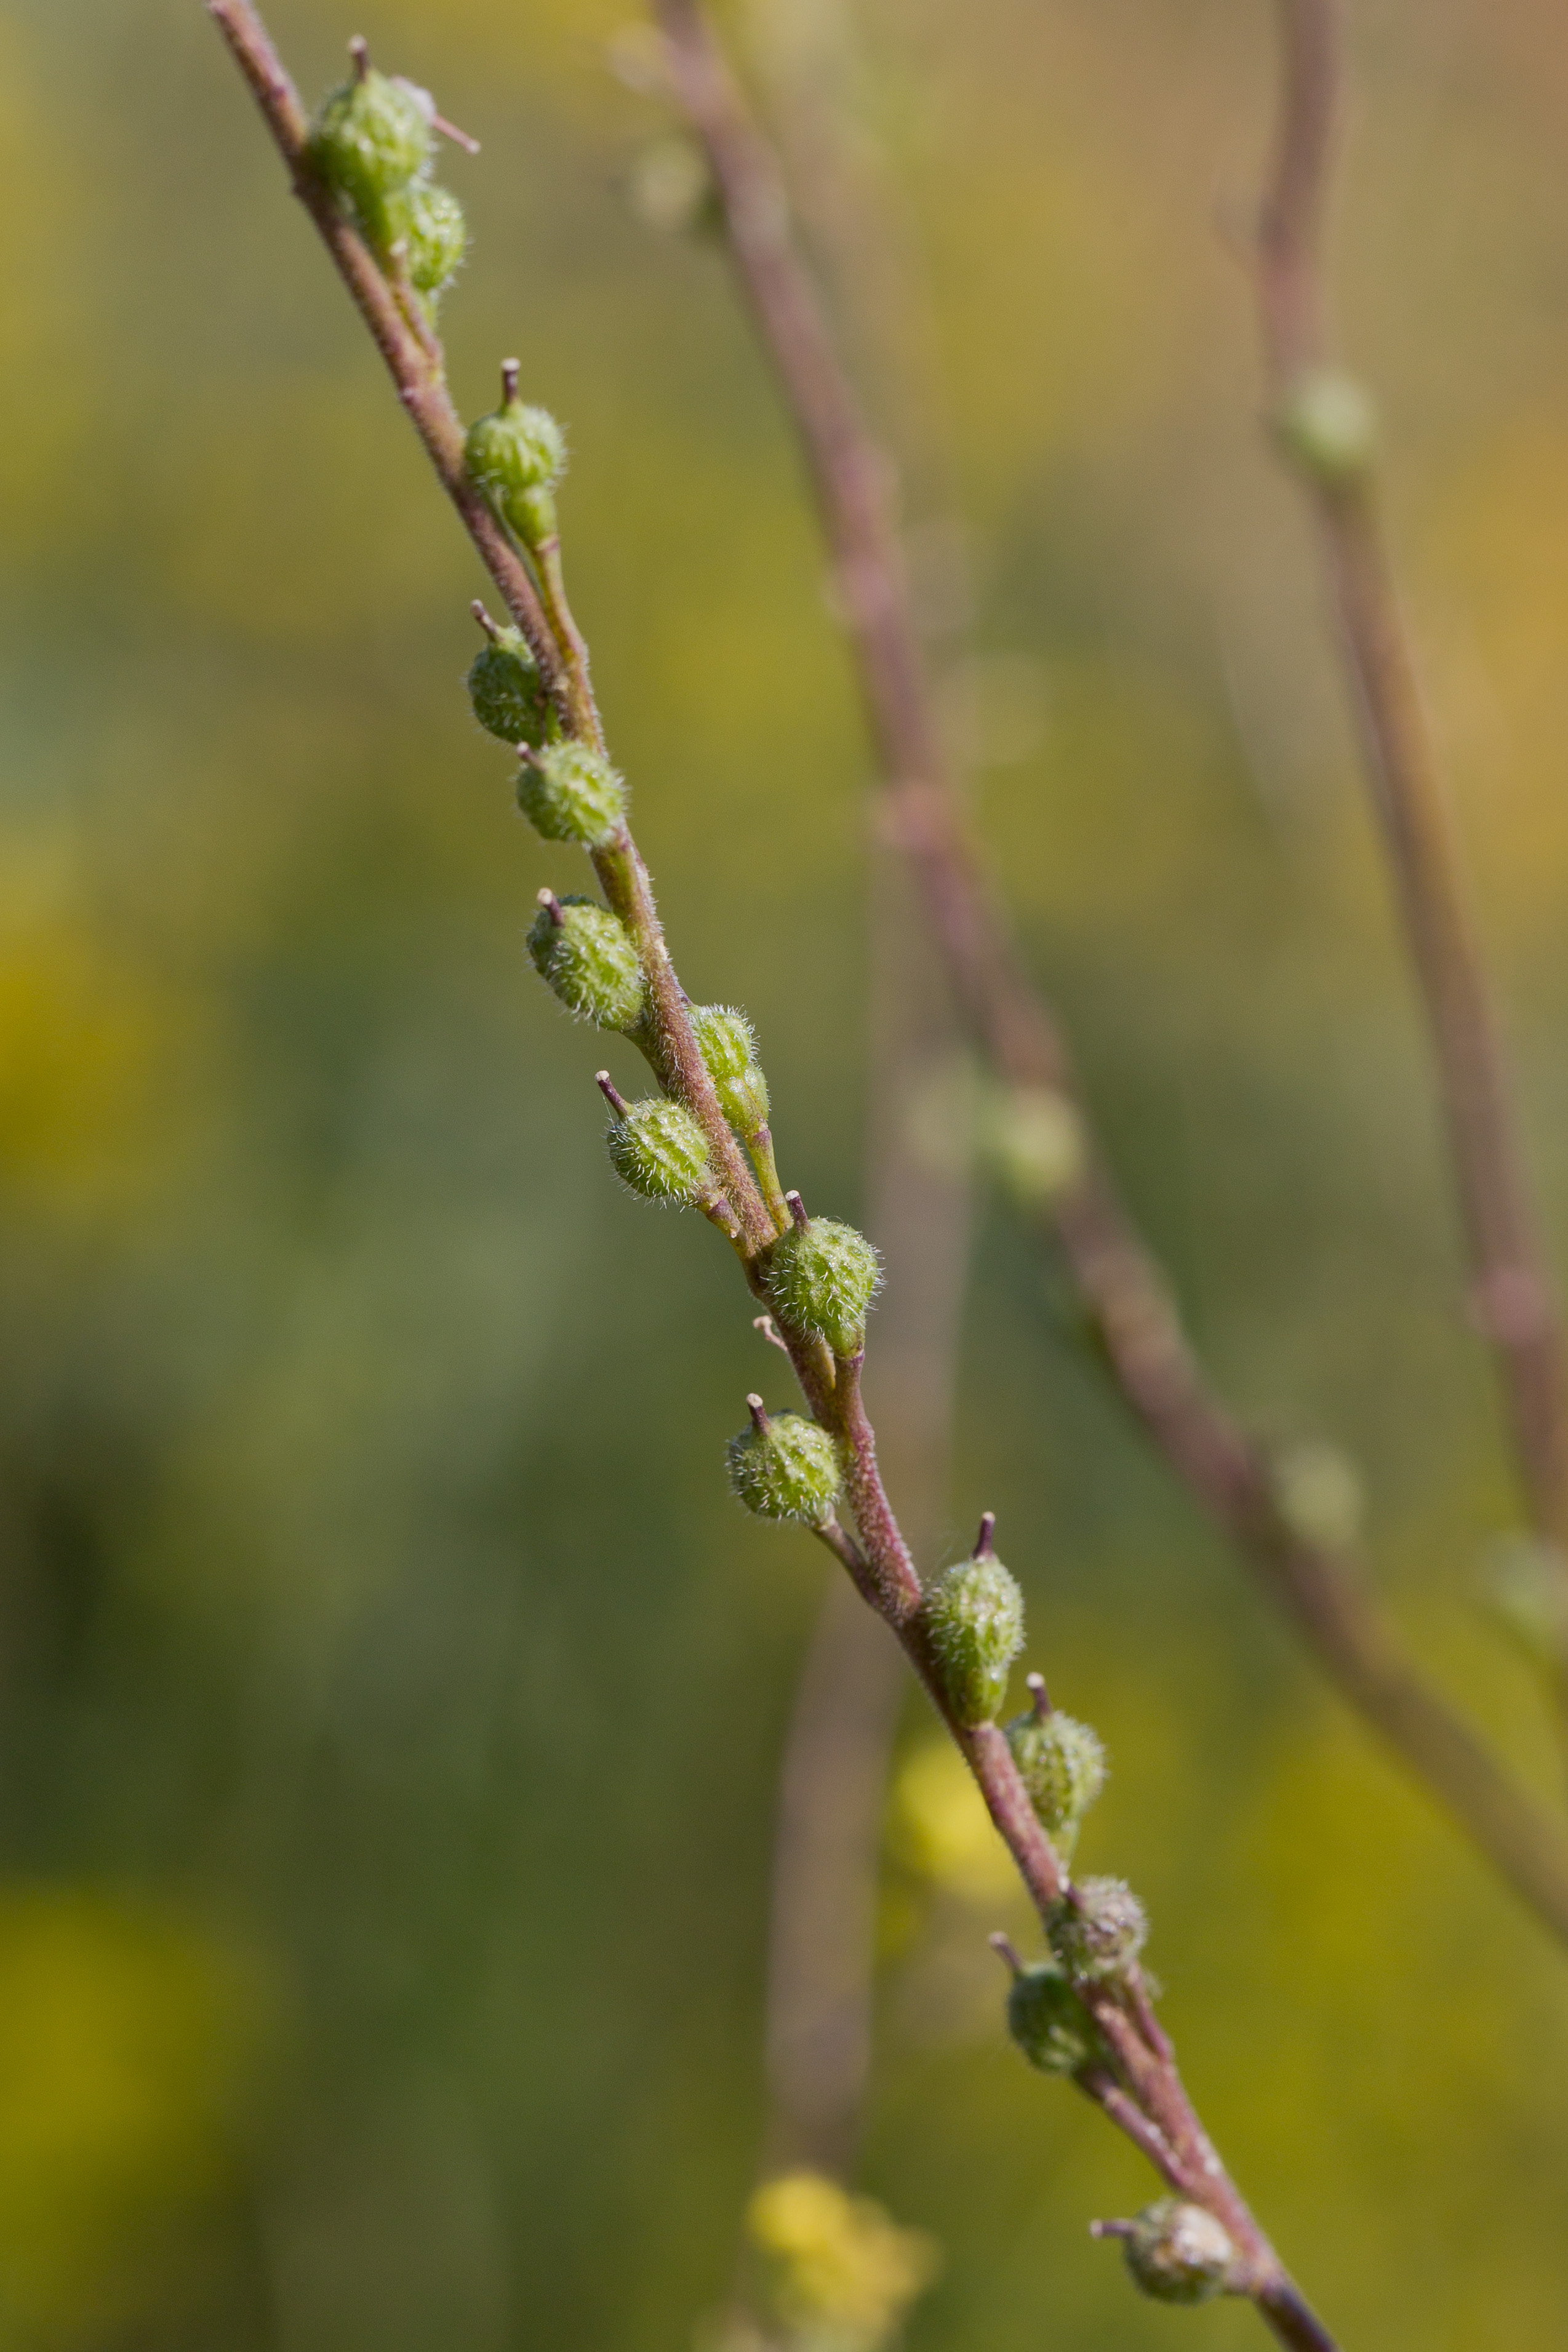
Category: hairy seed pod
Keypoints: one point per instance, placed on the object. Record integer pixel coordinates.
(1178, 2252)
(585, 956)
(727, 1046)
(569, 793)
(822, 1277)
(429, 224)
(517, 454)
(783, 1467)
(974, 1615)
(508, 694)
(657, 1149)
(1049, 2023)
(1327, 425)
(371, 138)
(1101, 1931)
(1062, 1766)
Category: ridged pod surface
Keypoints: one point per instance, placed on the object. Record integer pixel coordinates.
(1061, 1764)
(784, 1467)
(657, 1149)
(1177, 2252)
(822, 1278)
(974, 1615)
(508, 693)
(371, 137)
(584, 955)
(1102, 1932)
(728, 1044)
(569, 793)
(1049, 2023)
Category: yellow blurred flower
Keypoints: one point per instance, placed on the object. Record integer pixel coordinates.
(842, 2273)
(942, 1830)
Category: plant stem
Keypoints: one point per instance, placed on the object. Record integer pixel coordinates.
(1512, 1289)
(1126, 1299)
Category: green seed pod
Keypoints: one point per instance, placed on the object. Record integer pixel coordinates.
(584, 954)
(517, 454)
(1100, 1932)
(783, 1467)
(657, 1149)
(1327, 425)
(371, 138)
(507, 691)
(569, 793)
(974, 1615)
(1062, 1765)
(428, 222)
(1177, 2252)
(822, 1277)
(728, 1044)
(1049, 2023)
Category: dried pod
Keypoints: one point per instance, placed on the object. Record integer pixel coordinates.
(822, 1277)
(585, 956)
(784, 1467)
(1100, 1930)
(569, 793)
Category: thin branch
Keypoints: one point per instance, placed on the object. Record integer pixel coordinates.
(1125, 1298)
(1512, 1293)
(418, 369)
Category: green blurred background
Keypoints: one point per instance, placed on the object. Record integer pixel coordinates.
(390, 1695)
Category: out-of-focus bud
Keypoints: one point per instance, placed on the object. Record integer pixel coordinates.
(569, 793)
(1318, 1492)
(1327, 424)
(1524, 1587)
(1032, 1140)
(1176, 2252)
(822, 1277)
(974, 1615)
(1049, 2023)
(1099, 1931)
(585, 956)
(427, 222)
(783, 1467)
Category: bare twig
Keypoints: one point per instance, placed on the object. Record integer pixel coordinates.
(1512, 1289)
(1126, 1299)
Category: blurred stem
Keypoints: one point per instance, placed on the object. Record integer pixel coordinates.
(1511, 1294)
(569, 637)
(1123, 1294)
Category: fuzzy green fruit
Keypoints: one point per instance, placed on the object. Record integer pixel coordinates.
(1100, 1932)
(822, 1277)
(784, 1467)
(508, 693)
(585, 956)
(517, 454)
(1049, 2023)
(1062, 1766)
(427, 222)
(371, 138)
(657, 1149)
(974, 1616)
(569, 793)
(1178, 2252)
(728, 1044)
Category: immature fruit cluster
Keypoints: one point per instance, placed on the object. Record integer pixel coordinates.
(371, 141)
(584, 954)
(517, 454)
(508, 694)
(569, 793)
(1062, 1766)
(822, 1278)
(1098, 1931)
(1049, 2023)
(783, 1467)
(1178, 2252)
(657, 1149)
(974, 1618)
(728, 1044)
